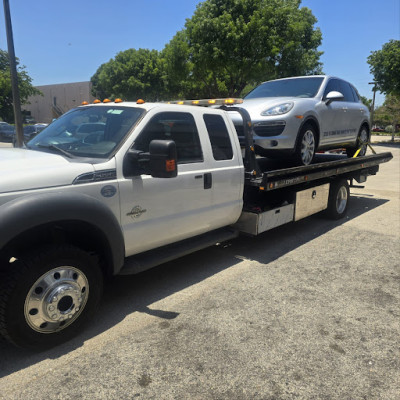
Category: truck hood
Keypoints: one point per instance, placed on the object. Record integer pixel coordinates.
(22, 169)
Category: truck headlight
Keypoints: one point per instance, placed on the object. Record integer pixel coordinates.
(278, 110)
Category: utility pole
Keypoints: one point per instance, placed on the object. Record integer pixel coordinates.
(14, 76)
(373, 103)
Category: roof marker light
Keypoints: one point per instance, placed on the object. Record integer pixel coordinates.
(118, 100)
(140, 101)
(84, 103)
(96, 101)
(106, 101)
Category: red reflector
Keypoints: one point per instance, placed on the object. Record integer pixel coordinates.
(170, 165)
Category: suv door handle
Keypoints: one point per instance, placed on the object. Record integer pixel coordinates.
(207, 180)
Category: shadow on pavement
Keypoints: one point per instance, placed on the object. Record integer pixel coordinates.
(125, 295)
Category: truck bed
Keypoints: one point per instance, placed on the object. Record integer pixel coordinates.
(273, 174)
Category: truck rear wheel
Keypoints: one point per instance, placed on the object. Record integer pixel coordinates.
(47, 295)
(339, 195)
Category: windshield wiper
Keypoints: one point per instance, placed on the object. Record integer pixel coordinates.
(54, 147)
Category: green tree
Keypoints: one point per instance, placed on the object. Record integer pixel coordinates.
(132, 74)
(233, 43)
(24, 84)
(366, 102)
(385, 67)
(389, 112)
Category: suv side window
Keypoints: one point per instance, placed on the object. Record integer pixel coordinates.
(177, 126)
(346, 91)
(332, 86)
(219, 137)
(355, 94)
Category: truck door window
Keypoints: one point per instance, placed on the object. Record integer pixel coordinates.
(177, 126)
(219, 137)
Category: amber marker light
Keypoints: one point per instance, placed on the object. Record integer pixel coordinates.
(170, 165)
(84, 103)
(96, 101)
(195, 102)
(106, 101)
(140, 101)
(299, 116)
(211, 101)
(229, 101)
(118, 100)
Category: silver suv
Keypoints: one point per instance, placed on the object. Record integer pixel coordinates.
(298, 116)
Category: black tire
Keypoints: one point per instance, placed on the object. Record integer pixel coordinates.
(47, 295)
(339, 195)
(306, 145)
(362, 141)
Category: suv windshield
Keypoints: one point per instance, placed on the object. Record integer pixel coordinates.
(295, 87)
(93, 131)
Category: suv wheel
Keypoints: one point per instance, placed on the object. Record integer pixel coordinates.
(362, 142)
(306, 145)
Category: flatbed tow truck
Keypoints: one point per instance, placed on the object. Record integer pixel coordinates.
(146, 184)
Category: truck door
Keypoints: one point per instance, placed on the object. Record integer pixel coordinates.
(156, 211)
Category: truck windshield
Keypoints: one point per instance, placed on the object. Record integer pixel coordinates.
(295, 87)
(92, 131)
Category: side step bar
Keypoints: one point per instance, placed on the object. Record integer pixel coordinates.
(149, 259)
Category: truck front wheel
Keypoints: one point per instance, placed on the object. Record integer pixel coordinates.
(339, 194)
(47, 295)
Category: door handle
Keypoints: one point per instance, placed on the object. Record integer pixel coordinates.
(207, 180)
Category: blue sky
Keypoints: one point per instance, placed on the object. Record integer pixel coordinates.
(66, 41)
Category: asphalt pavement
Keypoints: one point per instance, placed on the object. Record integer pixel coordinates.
(310, 310)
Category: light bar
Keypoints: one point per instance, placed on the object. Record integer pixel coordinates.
(208, 102)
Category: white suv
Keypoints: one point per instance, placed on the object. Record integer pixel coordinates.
(297, 116)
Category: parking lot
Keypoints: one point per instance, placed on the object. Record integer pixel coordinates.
(310, 310)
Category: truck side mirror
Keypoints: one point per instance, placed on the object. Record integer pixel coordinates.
(159, 162)
(333, 96)
(163, 159)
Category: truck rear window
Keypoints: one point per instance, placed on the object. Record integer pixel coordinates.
(219, 137)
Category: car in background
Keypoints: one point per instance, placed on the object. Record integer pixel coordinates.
(295, 117)
(30, 131)
(7, 132)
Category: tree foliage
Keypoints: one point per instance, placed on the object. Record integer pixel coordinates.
(385, 67)
(132, 74)
(226, 46)
(24, 84)
(238, 42)
(389, 112)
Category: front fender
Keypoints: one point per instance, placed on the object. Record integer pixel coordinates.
(21, 214)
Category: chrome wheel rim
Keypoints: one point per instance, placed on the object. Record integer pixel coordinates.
(307, 147)
(56, 299)
(362, 141)
(341, 200)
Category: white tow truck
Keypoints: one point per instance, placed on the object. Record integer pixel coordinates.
(117, 188)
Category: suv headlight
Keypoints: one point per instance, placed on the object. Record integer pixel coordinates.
(278, 110)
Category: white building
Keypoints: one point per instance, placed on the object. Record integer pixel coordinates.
(57, 99)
